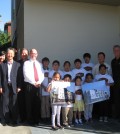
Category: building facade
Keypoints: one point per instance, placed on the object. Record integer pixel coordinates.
(7, 28)
(66, 29)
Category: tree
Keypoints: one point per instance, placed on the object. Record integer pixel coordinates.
(4, 38)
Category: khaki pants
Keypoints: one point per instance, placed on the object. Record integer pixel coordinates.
(67, 115)
(45, 106)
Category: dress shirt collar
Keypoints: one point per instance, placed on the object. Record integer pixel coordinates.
(33, 61)
(10, 62)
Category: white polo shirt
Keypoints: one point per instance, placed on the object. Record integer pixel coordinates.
(70, 73)
(79, 72)
(88, 65)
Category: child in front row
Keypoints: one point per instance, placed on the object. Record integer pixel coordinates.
(104, 105)
(88, 107)
(67, 109)
(56, 108)
(79, 104)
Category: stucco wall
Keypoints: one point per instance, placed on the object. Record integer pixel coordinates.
(65, 30)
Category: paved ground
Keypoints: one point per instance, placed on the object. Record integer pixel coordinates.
(112, 127)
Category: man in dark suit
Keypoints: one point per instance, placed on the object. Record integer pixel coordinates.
(115, 64)
(2, 58)
(21, 95)
(10, 86)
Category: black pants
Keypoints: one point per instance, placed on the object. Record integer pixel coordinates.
(1, 106)
(21, 103)
(10, 107)
(32, 103)
(104, 108)
(116, 102)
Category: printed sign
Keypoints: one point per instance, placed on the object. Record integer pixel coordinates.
(95, 92)
(62, 92)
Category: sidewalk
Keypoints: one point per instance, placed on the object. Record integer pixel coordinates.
(112, 127)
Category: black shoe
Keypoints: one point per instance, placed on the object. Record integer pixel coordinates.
(14, 123)
(65, 125)
(54, 128)
(4, 123)
(60, 127)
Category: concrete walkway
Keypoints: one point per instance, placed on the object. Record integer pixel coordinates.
(112, 127)
(15, 130)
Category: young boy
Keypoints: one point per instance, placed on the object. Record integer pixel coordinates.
(45, 96)
(78, 71)
(88, 107)
(67, 69)
(104, 105)
(101, 60)
(67, 109)
(87, 65)
(55, 68)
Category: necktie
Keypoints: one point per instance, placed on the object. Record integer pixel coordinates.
(35, 72)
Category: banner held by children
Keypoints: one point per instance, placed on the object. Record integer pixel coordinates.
(95, 92)
(62, 92)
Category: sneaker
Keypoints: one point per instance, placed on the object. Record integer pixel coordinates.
(105, 119)
(101, 119)
(66, 126)
(80, 122)
(76, 121)
(71, 125)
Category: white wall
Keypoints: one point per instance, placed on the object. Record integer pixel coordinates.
(65, 30)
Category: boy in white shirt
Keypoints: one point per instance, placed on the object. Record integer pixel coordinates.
(67, 69)
(87, 65)
(101, 60)
(45, 96)
(55, 68)
(78, 71)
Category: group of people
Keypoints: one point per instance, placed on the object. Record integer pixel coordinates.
(25, 87)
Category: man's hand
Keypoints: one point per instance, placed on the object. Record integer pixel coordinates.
(37, 84)
(1, 90)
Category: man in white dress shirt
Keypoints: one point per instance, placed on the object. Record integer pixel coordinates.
(33, 77)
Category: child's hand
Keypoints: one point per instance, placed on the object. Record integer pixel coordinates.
(107, 84)
(46, 74)
(78, 92)
(68, 103)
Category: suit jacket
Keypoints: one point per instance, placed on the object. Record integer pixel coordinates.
(15, 80)
(21, 76)
(0, 77)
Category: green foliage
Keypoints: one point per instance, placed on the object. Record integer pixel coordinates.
(4, 38)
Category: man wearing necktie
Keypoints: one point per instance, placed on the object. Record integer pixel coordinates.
(33, 77)
(10, 86)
